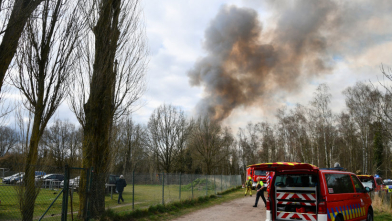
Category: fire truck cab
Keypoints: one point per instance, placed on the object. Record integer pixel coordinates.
(254, 174)
(301, 191)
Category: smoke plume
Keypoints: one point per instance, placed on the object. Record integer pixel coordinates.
(246, 65)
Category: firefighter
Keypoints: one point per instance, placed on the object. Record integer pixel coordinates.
(260, 192)
(248, 185)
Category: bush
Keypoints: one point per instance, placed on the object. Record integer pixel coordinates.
(152, 209)
(161, 208)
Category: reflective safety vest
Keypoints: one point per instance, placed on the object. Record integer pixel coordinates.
(249, 183)
(261, 184)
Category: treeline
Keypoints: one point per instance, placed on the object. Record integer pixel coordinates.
(358, 138)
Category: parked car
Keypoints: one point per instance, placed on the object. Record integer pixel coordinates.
(6, 180)
(111, 180)
(377, 183)
(17, 178)
(46, 180)
(73, 183)
(301, 191)
(59, 177)
(387, 182)
(388, 185)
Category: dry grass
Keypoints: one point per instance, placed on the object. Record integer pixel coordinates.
(382, 203)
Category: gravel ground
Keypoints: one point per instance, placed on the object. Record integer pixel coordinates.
(239, 209)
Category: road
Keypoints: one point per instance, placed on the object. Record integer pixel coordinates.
(238, 209)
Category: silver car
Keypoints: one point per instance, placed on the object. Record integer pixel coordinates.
(73, 183)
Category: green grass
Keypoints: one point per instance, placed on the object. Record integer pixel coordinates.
(382, 216)
(174, 209)
(145, 196)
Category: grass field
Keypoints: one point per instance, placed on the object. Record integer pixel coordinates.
(173, 210)
(145, 196)
(382, 216)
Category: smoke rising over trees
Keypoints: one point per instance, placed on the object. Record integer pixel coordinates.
(249, 65)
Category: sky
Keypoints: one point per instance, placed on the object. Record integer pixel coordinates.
(192, 54)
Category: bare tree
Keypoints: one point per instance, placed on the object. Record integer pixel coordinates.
(359, 102)
(59, 140)
(383, 103)
(323, 114)
(8, 139)
(129, 150)
(168, 134)
(44, 61)
(11, 29)
(249, 144)
(268, 142)
(348, 134)
(283, 135)
(110, 80)
(208, 140)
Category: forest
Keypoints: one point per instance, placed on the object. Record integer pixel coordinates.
(359, 138)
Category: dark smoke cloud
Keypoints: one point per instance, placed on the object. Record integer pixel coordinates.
(246, 65)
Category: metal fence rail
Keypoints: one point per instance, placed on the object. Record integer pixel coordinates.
(142, 191)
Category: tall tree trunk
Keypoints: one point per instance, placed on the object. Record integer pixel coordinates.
(20, 13)
(99, 108)
(31, 191)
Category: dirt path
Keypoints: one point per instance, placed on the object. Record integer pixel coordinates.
(239, 209)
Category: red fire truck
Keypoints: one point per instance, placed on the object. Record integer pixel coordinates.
(301, 191)
(264, 175)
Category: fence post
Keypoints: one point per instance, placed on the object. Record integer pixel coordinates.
(214, 184)
(180, 186)
(192, 185)
(221, 182)
(111, 192)
(86, 199)
(163, 188)
(65, 194)
(206, 186)
(133, 190)
(88, 187)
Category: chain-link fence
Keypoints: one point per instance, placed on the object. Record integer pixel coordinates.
(33, 200)
(142, 191)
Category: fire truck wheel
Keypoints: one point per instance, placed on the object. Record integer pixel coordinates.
(338, 218)
(369, 216)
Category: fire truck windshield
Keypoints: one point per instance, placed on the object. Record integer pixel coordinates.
(260, 173)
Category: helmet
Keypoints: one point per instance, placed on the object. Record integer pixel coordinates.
(249, 178)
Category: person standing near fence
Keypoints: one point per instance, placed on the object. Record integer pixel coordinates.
(120, 184)
(248, 186)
